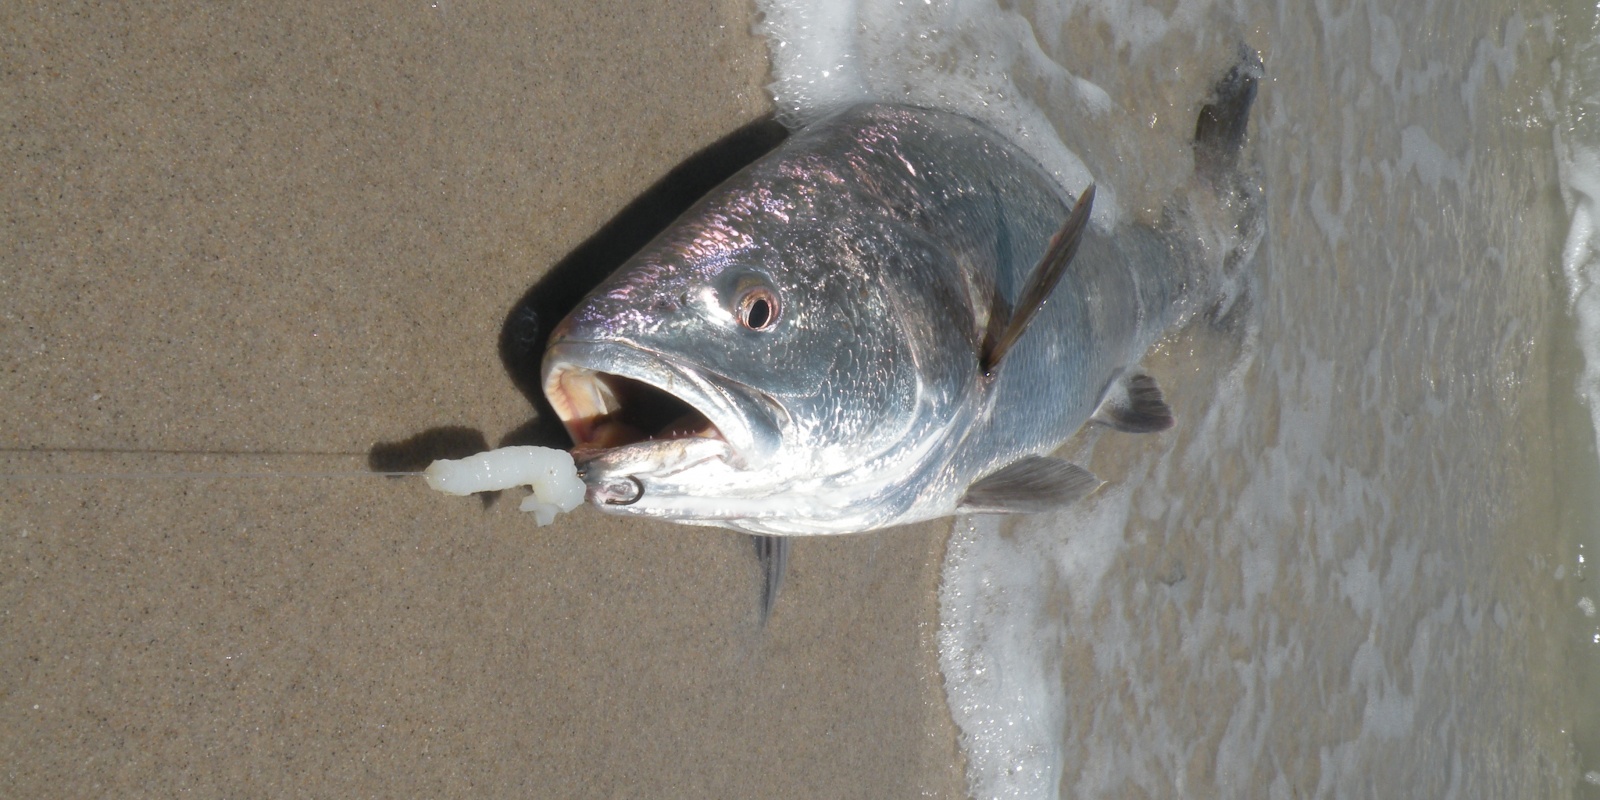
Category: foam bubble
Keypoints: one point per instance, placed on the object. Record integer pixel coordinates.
(1577, 145)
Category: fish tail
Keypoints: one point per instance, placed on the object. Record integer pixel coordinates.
(1219, 132)
(1229, 187)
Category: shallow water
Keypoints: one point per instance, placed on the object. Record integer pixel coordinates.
(1356, 567)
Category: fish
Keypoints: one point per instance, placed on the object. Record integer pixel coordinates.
(896, 315)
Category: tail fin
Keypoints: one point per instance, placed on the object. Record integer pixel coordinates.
(1227, 209)
(1219, 133)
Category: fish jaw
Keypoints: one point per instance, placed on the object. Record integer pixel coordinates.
(726, 466)
(637, 416)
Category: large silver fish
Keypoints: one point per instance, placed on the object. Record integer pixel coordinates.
(896, 315)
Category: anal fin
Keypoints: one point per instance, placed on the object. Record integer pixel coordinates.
(1133, 404)
(1029, 485)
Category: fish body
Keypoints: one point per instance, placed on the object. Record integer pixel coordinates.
(803, 351)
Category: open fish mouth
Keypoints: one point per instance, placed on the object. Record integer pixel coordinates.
(612, 396)
(602, 410)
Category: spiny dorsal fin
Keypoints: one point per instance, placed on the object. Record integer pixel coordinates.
(1029, 485)
(1041, 283)
(1133, 404)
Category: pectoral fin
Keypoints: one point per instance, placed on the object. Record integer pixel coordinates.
(1040, 284)
(1133, 404)
(1029, 485)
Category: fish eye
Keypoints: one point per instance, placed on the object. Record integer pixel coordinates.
(758, 309)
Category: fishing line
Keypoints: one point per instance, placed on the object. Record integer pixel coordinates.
(121, 454)
(553, 478)
(555, 484)
(68, 476)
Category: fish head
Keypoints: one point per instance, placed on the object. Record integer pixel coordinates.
(763, 383)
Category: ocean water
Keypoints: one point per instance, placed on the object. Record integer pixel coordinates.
(1359, 566)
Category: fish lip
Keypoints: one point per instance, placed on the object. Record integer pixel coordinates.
(746, 419)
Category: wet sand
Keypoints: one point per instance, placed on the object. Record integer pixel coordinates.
(255, 242)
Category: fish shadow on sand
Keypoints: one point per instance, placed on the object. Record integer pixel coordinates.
(526, 332)
(527, 328)
(528, 325)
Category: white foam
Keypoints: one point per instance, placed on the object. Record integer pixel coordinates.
(996, 642)
(954, 55)
(1577, 145)
(1576, 109)
(815, 63)
(1420, 153)
(1502, 58)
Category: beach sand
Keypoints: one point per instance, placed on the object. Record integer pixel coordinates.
(253, 243)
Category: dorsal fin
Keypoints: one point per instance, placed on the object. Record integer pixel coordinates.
(1041, 283)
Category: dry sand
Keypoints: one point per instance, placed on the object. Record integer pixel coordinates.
(264, 239)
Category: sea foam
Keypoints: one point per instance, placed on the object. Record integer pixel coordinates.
(956, 56)
(1577, 144)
